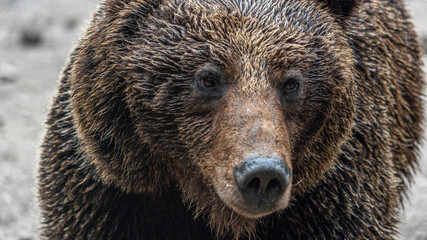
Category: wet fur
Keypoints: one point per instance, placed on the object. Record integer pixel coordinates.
(132, 152)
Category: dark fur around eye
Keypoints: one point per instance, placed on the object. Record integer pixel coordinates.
(290, 86)
(210, 82)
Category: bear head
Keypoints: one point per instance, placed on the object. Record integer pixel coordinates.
(241, 104)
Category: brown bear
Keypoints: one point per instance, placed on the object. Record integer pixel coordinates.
(234, 119)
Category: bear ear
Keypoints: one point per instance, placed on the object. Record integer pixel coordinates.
(342, 7)
(106, 132)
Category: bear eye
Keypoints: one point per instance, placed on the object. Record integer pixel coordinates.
(210, 82)
(290, 85)
(207, 82)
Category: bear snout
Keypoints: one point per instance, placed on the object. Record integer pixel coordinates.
(262, 182)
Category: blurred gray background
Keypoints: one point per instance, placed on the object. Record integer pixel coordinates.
(35, 39)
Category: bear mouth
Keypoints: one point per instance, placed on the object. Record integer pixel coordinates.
(249, 211)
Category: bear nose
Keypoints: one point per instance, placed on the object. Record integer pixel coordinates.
(262, 181)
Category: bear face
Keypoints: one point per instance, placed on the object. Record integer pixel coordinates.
(189, 93)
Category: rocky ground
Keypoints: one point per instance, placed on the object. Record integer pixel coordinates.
(35, 38)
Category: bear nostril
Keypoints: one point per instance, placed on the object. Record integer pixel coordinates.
(273, 186)
(261, 181)
(254, 185)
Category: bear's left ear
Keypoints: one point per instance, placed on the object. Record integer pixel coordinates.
(342, 8)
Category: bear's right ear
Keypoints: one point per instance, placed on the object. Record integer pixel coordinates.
(342, 7)
(104, 126)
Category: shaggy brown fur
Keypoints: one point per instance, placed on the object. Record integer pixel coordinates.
(136, 149)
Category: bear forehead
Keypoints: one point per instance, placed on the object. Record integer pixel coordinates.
(254, 28)
(265, 12)
(243, 37)
(251, 20)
